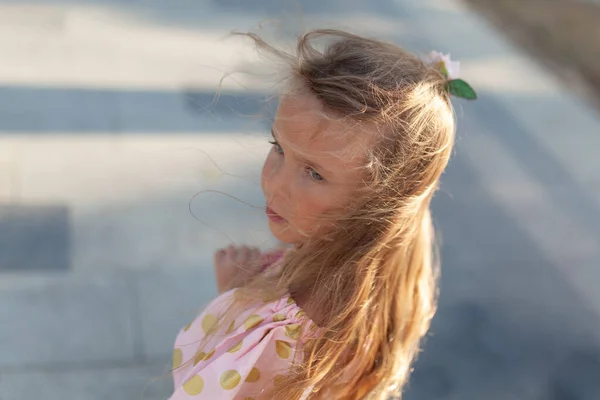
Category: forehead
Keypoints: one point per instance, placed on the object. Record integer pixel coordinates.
(337, 145)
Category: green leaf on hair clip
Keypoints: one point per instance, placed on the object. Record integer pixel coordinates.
(460, 88)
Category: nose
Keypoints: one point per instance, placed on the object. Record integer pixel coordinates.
(277, 182)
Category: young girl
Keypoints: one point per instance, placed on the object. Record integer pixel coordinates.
(362, 134)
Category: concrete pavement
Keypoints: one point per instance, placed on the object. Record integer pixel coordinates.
(108, 129)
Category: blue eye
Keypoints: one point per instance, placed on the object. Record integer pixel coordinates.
(314, 175)
(276, 146)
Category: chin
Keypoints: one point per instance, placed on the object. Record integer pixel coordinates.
(283, 233)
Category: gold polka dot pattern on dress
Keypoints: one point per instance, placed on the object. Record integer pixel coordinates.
(209, 322)
(300, 314)
(253, 376)
(199, 357)
(187, 327)
(278, 317)
(252, 321)
(194, 386)
(278, 380)
(290, 300)
(231, 327)
(266, 297)
(236, 347)
(230, 379)
(177, 358)
(293, 331)
(283, 349)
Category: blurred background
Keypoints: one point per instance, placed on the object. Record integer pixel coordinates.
(114, 150)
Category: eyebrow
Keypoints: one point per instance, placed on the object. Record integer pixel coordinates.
(303, 159)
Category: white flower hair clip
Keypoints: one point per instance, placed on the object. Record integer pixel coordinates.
(450, 70)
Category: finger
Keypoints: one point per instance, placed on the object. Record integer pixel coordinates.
(250, 254)
(242, 255)
(219, 254)
(230, 252)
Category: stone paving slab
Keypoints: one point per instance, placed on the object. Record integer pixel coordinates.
(566, 128)
(45, 228)
(61, 319)
(509, 324)
(117, 44)
(129, 202)
(43, 111)
(146, 382)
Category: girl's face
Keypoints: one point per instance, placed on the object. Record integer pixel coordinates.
(312, 170)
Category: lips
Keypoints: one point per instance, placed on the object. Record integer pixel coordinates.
(273, 216)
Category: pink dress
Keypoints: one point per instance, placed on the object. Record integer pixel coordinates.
(245, 356)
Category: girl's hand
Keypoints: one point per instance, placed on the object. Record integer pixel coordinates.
(234, 264)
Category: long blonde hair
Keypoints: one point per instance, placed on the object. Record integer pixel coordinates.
(374, 276)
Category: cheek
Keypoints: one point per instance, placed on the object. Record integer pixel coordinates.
(313, 204)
